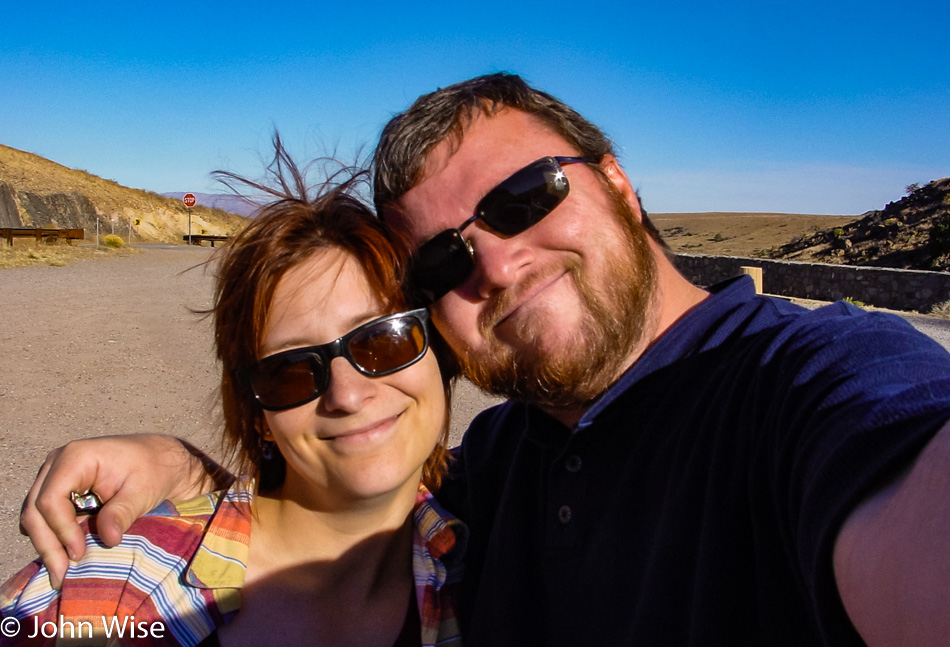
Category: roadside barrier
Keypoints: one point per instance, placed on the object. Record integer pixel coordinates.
(875, 286)
(41, 234)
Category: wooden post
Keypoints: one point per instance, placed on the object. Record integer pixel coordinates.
(756, 274)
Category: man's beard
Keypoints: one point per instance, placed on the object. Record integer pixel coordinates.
(616, 318)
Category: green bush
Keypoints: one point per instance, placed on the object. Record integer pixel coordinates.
(113, 241)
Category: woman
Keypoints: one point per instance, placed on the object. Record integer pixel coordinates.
(336, 408)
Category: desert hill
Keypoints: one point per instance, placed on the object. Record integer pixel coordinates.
(911, 233)
(738, 234)
(36, 192)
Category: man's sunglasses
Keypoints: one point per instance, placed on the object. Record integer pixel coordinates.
(380, 347)
(443, 262)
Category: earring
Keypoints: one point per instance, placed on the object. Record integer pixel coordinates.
(266, 443)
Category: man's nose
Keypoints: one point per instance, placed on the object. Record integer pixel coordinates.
(499, 262)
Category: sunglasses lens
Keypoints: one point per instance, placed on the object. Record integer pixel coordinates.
(523, 199)
(389, 345)
(288, 380)
(441, 264)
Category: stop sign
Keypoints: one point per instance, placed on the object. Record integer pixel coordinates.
(189, 200)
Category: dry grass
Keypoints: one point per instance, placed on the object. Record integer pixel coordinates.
(941, 310)
(24, 254)
(738, 234)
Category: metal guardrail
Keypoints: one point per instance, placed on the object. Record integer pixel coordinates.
(196, 239)
(41, 233)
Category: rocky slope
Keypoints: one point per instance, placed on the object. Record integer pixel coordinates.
(912, 233)
(36, 192)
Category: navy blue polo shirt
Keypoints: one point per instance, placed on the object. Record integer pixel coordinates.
(697, 502)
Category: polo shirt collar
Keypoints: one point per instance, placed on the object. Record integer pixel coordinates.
(684, 335)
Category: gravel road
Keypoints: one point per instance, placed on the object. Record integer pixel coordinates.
(109, 346)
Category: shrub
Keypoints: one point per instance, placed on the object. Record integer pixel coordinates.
(941, 310)
(838, 231)
(939, 242)
(113, 241)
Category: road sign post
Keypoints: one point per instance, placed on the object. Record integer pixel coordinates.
(190, 200)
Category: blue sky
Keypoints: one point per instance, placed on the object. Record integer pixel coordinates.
(809, 107)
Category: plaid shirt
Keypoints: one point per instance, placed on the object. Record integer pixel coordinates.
(183, 565)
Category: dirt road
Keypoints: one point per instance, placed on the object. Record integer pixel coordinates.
(109, 346)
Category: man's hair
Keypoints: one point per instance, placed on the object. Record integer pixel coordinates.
(285, 233)
(400, 157)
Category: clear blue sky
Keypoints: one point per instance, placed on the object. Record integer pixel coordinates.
(813, 107)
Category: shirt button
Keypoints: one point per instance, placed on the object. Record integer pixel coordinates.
(573, 463)
(564, 514)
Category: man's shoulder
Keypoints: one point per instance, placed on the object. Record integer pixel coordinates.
(747, 322)
(848, 329)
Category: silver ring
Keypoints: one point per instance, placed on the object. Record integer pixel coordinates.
(86, 503)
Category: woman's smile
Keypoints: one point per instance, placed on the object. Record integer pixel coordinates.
(358, 437)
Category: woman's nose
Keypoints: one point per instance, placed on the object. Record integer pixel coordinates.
(348, 390)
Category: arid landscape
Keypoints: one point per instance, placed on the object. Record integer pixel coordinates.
(738, 234)
(37, 192)
(912, 232)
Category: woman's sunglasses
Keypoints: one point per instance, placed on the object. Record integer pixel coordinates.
(443, 262)
(380, 347)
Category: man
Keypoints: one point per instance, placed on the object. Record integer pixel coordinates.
(675, 466)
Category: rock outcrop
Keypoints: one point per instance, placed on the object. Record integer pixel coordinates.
(912, 233)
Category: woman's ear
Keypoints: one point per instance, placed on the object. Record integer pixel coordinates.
(618, 177)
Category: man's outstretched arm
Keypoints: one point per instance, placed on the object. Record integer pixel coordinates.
(892, 556)
(131, 474)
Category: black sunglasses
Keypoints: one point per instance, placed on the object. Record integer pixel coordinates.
(380, 347)
(443, 262)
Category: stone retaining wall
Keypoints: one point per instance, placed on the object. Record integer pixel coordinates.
(881, 287)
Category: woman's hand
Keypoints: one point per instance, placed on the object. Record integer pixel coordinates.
(130, 474)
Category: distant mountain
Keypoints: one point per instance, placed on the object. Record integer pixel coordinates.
(224, 201)
(37, 192)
